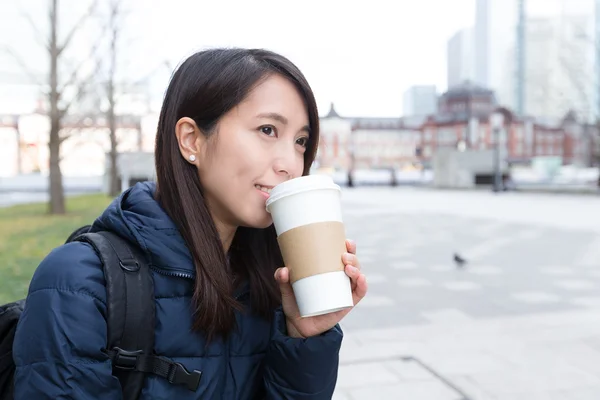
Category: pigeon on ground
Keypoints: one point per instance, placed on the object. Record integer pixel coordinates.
(460, 262)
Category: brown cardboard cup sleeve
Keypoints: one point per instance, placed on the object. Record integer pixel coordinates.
(313, 249)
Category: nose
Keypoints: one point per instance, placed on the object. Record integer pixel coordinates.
(286, 160)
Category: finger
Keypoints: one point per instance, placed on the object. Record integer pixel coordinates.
(359, 283)
(351, 246)
(350, 259)
(361, 289)
(353, 274)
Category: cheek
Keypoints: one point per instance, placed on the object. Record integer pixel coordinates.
(299, 166)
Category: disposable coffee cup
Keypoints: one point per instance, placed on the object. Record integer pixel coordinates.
(307, 215)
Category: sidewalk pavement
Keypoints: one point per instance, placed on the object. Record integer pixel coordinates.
(547, 356)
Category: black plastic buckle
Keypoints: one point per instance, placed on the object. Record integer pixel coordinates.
(178, 375)
(124, 359)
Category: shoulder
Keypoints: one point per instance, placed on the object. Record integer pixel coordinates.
(73, 267)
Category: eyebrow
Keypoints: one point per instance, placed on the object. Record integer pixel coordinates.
(281, 119)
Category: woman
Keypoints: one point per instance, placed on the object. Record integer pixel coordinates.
(234, 122)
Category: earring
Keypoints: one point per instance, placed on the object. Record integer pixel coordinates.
(192, 158)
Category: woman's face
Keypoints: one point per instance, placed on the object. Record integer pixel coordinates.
(257, 145)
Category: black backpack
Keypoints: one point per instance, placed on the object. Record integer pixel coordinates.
(130, 319)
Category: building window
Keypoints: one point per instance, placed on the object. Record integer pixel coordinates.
(427, 151)
(447, 136)
(519, 149)
(519, 133)
(428, 134)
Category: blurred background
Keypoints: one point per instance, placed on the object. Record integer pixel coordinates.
(465, 135)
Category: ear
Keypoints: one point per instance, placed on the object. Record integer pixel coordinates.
(190, 139)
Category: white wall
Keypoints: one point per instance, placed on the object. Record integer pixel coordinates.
(8, 152)
(332, 129)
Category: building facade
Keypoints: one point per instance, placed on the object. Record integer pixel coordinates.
(464, 120)
(367, 143)
(24, 143)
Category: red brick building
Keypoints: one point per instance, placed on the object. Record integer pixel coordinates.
(464, 119)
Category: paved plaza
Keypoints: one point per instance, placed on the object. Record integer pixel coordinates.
(520, 320)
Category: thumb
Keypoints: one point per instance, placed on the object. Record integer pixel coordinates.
(288, 300)
(282, 276)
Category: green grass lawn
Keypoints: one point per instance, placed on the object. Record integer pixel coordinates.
(28, 233)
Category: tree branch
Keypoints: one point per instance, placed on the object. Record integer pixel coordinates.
(575, 79)
(78, 127)
(81, 88)
(39, 35)
(80, 143)
(22, 64)
(73, 77)
(76, 27)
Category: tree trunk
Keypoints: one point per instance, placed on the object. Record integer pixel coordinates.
(598, 161)
(19, 153)
(115, 188)
(594, 144)
(112, 123)
(57, 196)
(56, 190)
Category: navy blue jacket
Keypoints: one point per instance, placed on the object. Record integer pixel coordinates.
(60, 335)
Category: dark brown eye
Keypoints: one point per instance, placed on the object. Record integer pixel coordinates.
(267, 130)
(303, 141)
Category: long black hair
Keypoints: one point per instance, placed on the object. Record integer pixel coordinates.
(205, 87)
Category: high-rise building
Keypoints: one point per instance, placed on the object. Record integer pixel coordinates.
(539, 61)
(461, 57)
(495, 35)
(420, 100)
(559, 67)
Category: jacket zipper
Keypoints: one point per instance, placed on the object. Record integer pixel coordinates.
(191, 277)
(175, 274)
(188, 276)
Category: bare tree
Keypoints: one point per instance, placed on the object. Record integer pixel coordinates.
(117, 84)
(58, 108)
(111, 97)
(572, 59)
(62, 91)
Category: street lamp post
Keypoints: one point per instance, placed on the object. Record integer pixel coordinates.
(497, 172)
(351, 149)
(497, 120)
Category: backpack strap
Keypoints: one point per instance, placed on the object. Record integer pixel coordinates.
(131, 317)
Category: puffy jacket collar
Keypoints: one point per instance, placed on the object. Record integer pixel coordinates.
(137, 216)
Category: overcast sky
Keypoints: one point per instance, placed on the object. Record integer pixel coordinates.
(362, 55)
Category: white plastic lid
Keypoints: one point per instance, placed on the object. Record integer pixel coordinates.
(301, 184)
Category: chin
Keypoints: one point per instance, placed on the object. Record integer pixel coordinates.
(259, 221)
(263, 224)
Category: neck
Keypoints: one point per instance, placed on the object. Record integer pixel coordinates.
(226, 231)
(226, 234)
